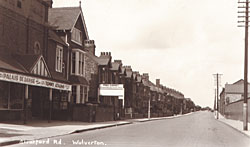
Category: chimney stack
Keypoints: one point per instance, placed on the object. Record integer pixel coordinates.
(158, 82)
(89, 45)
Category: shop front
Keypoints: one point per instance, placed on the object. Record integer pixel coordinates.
(25, 97)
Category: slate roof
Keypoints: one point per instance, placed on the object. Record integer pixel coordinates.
(134, 75)
(129, 72)
(53, 36)
(123, 70)
(64, 18)
(115, 66)
(24, 64)
(152, 86)
(78, 80)
(139, 78)
(235, 88)
(160, 90)
(145, 82)
(58, 76)
(241, 81)
(103, 61)
(27, 61)
(9, 63)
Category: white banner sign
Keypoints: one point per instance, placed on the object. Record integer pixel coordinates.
(112, 90)
(17, 78)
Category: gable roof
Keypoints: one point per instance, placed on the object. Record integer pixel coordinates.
(30, 61)
(65, 18)
(104, 59)
(135, 75)
(129, 72)
(123, 71)
(44, 70)
(241, 81)
(139, 78)
(115, 66)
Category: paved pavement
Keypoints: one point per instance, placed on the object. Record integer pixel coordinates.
(196, 130)
(236, 124)
(35, 130)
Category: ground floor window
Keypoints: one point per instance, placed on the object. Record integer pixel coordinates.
(74, 94)
(106, 100)
(11, 95)
(79, 94)
(60, 101)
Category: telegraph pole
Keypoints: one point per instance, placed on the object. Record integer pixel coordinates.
(149, 108)
(217, 77)
(246, 20)
(215, 102)
(217, 95)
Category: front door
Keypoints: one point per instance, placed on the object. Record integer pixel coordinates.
(39, 97)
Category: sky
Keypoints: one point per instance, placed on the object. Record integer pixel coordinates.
(181, 42)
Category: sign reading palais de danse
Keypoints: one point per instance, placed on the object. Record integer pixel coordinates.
(17, 78)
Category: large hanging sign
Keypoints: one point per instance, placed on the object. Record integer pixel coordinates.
(22, 79)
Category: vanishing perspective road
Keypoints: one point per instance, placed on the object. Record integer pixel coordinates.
(199, 129)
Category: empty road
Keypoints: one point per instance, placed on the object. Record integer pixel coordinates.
(199, 129)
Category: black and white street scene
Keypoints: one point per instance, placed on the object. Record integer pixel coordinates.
(124, 73)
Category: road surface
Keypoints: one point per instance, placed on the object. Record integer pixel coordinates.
(199, 129)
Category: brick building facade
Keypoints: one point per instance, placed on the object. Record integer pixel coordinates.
(48, 60)
(29, 86)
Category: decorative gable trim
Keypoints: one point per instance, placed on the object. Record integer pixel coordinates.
(40, 68)
(84, 24)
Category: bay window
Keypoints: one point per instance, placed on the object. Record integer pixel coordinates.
(80, 94)
(74, 94)
(78, 63)
(73, 63)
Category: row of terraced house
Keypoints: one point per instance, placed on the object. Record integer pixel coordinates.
(49, 70)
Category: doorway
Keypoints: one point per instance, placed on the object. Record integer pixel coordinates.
(40, 100)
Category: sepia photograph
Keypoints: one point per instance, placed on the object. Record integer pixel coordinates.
(124, 73)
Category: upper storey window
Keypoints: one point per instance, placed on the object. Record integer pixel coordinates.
(59, 58)
(78, 63)
(76, 36)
